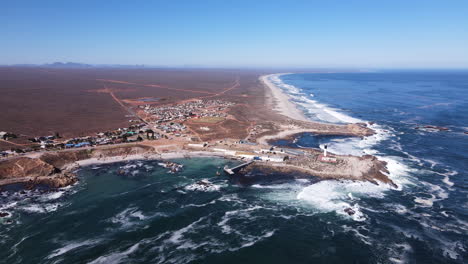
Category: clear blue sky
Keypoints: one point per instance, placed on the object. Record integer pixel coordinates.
(328, 33)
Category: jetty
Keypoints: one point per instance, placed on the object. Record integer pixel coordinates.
(234, 170)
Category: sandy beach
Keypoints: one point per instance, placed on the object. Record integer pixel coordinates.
(282, 102)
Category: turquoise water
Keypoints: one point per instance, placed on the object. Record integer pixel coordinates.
(136, 212)
(149, 215)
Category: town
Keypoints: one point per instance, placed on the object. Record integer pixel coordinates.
(151, 123)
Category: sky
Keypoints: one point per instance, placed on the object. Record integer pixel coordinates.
(177, 33)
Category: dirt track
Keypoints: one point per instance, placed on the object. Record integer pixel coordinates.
(40, 101)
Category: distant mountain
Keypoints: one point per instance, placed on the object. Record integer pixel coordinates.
(67, 65)
(76, 65)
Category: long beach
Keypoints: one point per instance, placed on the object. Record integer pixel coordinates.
(282, 102)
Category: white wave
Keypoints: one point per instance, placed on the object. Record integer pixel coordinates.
(71, 245)
(116, 257)
(356, 232)
(231, 198)
(323, 112)
(177, 235)
(399, 171)
(251, 240)
(128, 217)
(452, 249)
(446, 178)
(412, 157)
(203, 185)
(52, 196)
(8, 205)
(354, 146)
(340, 116)
(432, 163)
(129, 166)
(302, 180)
(428, 202)
(138, 214)
(447, 181)
(240, 213)
(199, 205)
(40, 208)
(436, 193)
(284, 186)
(331, 195)
(318, 110)
(400, 252)
(397, 167)
(398, 208)
(14, 248)
(346, 146)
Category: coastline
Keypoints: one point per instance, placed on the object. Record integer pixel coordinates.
(153, 156)
(282, 101)
(67, 175)
(59, 167)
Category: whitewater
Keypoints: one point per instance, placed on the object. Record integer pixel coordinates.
(135, 212)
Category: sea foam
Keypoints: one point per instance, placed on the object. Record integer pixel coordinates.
(330, 195)
(314, 109)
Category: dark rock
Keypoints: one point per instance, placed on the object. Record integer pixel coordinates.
(4, 214)
(349, 211)
(437, 127)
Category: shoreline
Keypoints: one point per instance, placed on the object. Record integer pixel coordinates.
(58, 167)
(68, 170)
(282, 101)
(153, 156)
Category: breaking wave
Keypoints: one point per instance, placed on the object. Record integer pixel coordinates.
(314, 109)
(332, 195)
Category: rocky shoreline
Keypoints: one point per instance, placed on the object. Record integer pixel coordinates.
(371, 169)
(56, 169)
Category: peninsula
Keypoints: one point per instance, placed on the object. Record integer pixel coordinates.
(232, 115)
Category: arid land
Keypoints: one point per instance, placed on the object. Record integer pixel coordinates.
(206, 112)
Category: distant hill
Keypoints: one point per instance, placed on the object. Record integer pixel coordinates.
(66, 65)
(77, 65)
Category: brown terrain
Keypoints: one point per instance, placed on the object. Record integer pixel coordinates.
(81, 102)
(54, 168)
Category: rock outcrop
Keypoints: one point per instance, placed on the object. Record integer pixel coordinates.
(25, 167)
(52, 168)
(365, 168)
(359, 129)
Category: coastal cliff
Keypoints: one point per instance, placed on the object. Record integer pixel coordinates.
(25, 167)
(54, 169)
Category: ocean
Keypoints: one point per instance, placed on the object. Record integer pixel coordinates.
(137, 212)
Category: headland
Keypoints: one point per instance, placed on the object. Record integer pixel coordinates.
(237, 121)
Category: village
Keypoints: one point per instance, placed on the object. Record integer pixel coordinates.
(192, 128)
(170, 129)
(165, 121)
(187, 110)
(156, 122)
